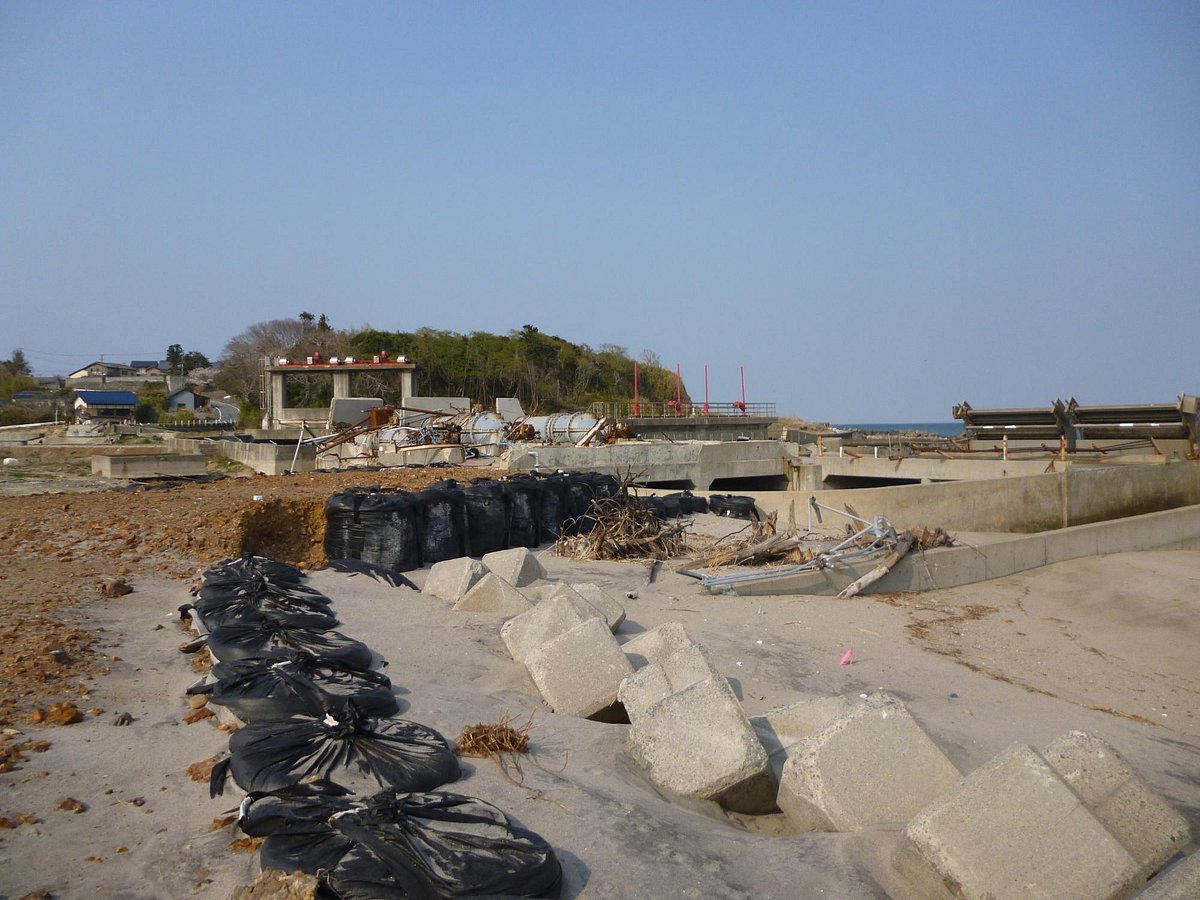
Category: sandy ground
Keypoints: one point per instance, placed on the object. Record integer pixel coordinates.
(1107, 645)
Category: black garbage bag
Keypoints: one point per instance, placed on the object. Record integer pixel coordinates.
(297, 610)
(391, 534)
(239, 569)
(398, 844)
(442, 521)
(439, 845)
(524, 511)
(732, 505)
(487, 511)
(274, 639)
(695, 504)
(261, 689)
(672, 506)
(349, 749)
(553, 508)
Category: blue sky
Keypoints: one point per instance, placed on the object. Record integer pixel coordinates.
(878, 209)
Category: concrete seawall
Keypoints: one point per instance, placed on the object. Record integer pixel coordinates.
(1021, 504)
(1175, 529)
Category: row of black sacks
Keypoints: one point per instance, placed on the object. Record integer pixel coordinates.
(402, 531)
(336, 783)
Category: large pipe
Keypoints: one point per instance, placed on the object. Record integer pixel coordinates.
(562, 427)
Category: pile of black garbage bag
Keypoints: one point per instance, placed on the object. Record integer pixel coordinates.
(401, 531)
(336, 782)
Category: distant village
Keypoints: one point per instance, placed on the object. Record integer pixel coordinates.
(112, 392)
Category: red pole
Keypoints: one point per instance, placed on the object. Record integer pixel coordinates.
(706, 389)
(678, 391)
(743, 368)
(635, 389)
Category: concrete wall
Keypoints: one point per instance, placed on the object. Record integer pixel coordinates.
(702, 428)
(269, 459)
(696, 463)
(954, 566)
(146, 465)
(1016, 504)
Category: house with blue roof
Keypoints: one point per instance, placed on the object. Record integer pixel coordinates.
(105, 406)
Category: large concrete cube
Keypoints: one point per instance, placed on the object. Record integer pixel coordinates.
(780, 728)
(579, 671)
(1139, 818)
(651, 646)
(537, 626)
(517, 566)
(493, 595)
(612, 611)
(1179, 881)
(672, 673)
(869, 766)
(1014, 829)
(450, 579)
(698, 743)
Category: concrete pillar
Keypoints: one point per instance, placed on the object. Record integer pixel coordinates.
(406, 384)
(278, 396)
(341, 384)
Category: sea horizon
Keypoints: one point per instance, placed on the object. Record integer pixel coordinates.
(946, 429)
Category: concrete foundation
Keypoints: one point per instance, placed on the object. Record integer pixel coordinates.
(148, 465)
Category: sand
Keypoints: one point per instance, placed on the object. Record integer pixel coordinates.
(1107, 645)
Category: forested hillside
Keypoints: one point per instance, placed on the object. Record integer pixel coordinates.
(548, 374)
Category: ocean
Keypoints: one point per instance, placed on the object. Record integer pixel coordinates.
(946, 429)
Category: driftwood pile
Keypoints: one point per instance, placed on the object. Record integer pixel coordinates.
(622, 528)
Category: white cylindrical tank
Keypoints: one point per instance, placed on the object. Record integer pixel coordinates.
(563, 427)
(482, 428)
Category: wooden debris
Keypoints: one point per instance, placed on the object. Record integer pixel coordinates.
(902, 547)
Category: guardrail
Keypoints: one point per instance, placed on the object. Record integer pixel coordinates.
(673, 410)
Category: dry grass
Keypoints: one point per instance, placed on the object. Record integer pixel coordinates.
(492, 740)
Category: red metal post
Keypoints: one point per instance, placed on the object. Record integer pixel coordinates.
(743, 369)
(678, 391)
(706, 389)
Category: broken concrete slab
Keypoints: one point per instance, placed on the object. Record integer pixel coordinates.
(780, 728)
(493, 595)
(451, 579)
(651, 646)
(871, 765)
(1013, 828)
(658, 680)
(537, 626)
(517, 566)
(1148, 827)
(697, 742)
(612, 611)
(579, 672)
(1179, 881)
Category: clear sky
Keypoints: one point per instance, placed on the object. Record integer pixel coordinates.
(878, 209)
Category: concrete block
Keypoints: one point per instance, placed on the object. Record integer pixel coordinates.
(451, 579)
(655, 682)
(612, 611)
(517, 566)
(1014, 829)
(537, 626)
(651, 646)
(868, 766)
(780, 728)
(579, 671)
(1180, 881)
(493, 595)
(698, 743)
(1140, 819)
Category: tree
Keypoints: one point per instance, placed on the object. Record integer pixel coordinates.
(194, 359)
(241, 360)
(18, 363)
(175, 358)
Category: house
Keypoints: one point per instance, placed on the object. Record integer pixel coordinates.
(101, 369)
(104, 406)
(149, 366)
(185, 398)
